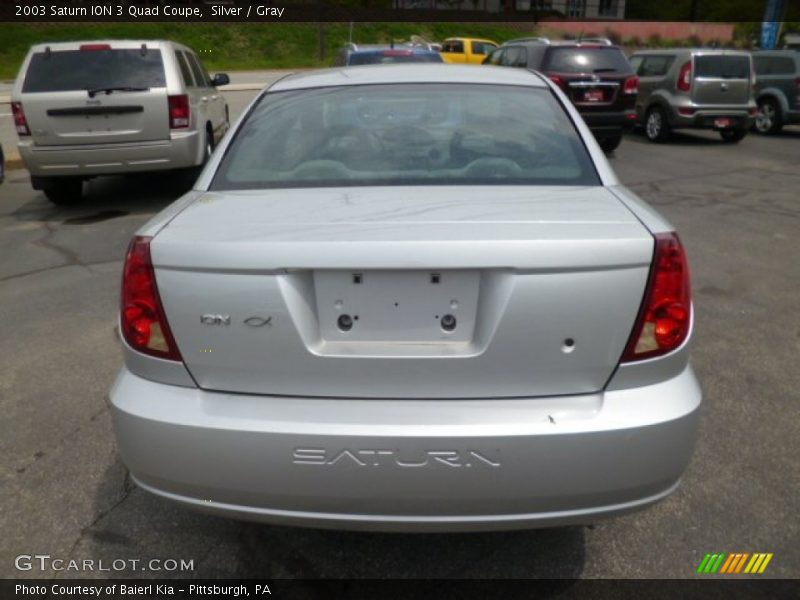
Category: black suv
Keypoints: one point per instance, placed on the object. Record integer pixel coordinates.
(595, 76)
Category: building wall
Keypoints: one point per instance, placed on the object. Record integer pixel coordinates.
(667, 30)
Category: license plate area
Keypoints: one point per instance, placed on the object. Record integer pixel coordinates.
(723, 123)
(592, 96)
(420, 306)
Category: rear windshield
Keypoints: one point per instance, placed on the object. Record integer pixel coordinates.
(388, 57)
(586, 60)
(406, 134)
(722, 67)
(72, 70)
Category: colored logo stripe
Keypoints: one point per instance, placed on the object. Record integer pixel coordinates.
(734, 563)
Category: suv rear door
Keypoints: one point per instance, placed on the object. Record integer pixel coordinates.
(67, 98)
(209, 101)
(592, 75)
(721, 79)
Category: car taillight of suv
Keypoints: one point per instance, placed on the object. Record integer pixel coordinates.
(685, 77)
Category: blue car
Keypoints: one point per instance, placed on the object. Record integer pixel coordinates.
(353, 55)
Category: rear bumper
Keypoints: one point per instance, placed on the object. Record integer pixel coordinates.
(704, 119)
(182, 150)
(408, 465)
(609, 123)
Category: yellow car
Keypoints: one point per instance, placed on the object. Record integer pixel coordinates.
(466, 50)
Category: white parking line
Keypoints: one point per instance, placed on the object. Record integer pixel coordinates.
(5, 114)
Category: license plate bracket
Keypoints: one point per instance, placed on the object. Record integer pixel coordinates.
(419, 306)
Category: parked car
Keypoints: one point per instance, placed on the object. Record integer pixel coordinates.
(777, 89)
(597, 78)
(407, 297)
(372, 55)
(83, 109)
(695, 88)
(466, 50)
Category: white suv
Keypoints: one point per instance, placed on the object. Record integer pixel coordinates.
(83, 109)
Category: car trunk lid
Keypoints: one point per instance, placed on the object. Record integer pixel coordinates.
(543, 285)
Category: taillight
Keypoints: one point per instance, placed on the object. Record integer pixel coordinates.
(686, 111)
(179, 111)
(665, 315)
(94, 47)
(631, 85)
(142, 320)
(557, 80)
(685, 77)
(20, 122)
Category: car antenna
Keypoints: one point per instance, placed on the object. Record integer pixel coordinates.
(47, 52)
(143, 50)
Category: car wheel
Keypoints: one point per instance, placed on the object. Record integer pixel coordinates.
(63, 192)
(768, 120)
(656, 127)
(733, 136)
(609, 144)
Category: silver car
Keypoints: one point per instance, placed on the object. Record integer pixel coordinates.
(697, 88)
(408, 298)
(83, 109)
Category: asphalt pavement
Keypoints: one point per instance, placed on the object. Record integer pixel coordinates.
(64, 492)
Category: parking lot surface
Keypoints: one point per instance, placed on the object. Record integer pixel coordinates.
(65, 493)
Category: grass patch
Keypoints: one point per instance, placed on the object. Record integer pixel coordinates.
(244, 46)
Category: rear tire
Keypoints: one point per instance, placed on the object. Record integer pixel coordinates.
(609, 144)
(768, 121)
(733, 136)
(63, 191)
(656, 127)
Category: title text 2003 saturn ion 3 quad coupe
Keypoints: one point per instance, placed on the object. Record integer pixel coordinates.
(408, 298)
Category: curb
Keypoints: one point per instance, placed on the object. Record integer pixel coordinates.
(13, 159)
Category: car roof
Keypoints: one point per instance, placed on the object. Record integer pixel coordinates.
(559, 44)
(727, 51)
(409, 73)
(128, 43)
(468, 39)
(408, 49)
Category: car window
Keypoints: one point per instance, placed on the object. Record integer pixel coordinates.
(655, 66)
(453, 46)
(773, 65)
(200, 75)
(482, 47)
(409, 134)
(722, 67)
(186, 72)
(636, 62)
(573, 59)
(515, 56)
(495, 57)
(71, 70)
(390, 57)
